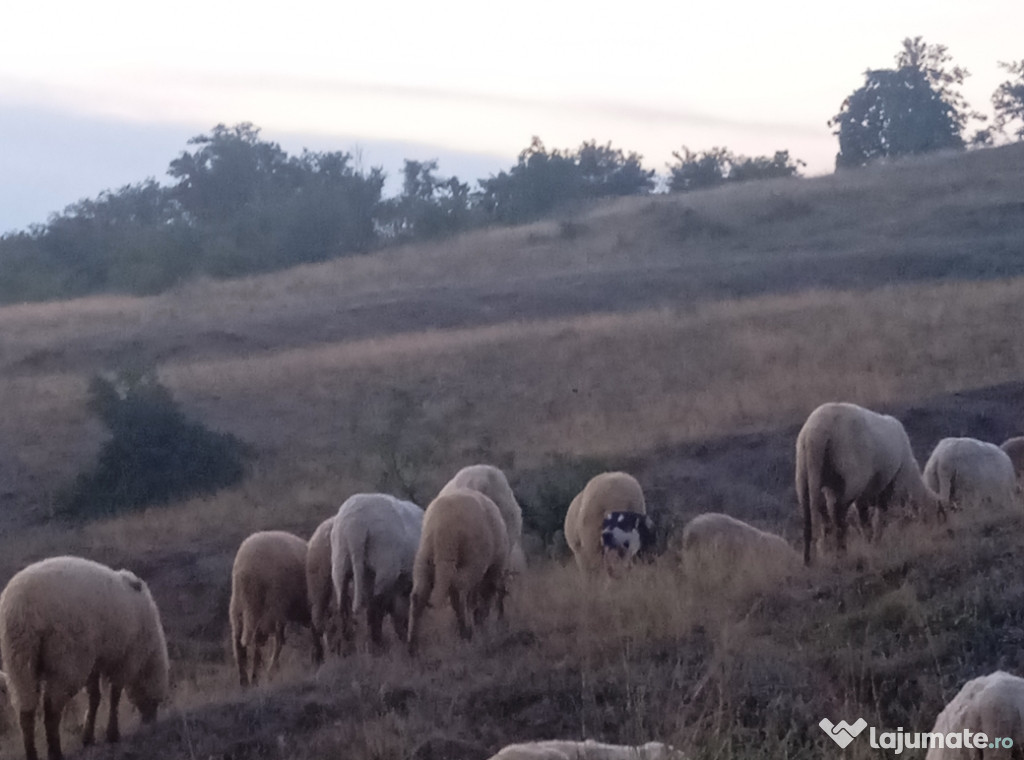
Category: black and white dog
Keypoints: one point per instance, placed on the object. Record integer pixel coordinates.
(626, 534)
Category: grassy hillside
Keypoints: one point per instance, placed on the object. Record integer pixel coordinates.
(684, 338)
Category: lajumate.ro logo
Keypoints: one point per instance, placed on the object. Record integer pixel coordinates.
(843, 734)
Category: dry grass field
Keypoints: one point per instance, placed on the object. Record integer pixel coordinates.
(683, 338)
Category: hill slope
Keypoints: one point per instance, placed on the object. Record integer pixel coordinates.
(684, 338)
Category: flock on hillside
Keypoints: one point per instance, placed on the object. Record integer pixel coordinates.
(67, 622)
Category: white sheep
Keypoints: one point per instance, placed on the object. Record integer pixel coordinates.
(320, 586)
(993, 705)
(373, 548)
(492, 483)
(268, 591)
(846, 454)
(1014, 448)
(721, 553)
(66, 622)
(605, 493)
(970, 473)
(586, 750)
(462, 555)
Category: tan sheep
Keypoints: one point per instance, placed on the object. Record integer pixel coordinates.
(587, 750)
(66, 622)
(322, 609)
(462, 555)
(970, 473)
(492, 483)
(1014, 448)
(607, 492)
(993, 705)
(721, 553)
(846, 454)
(373, 548)
(268, 591)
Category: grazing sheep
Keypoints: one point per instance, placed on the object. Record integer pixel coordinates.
(492, 483)
(969, 473)
(993, 705)
(462, 554)
(1014, 448)
(319, 584)
(587, 750)
(721, 552)
(268, 591)
(846, 454)
(605, 493)
(373, 547)
(66, 622)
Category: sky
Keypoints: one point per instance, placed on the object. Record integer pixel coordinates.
(101, 94)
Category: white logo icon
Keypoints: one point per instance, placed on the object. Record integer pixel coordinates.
(843, 733)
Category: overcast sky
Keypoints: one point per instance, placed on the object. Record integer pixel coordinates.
(96, 95)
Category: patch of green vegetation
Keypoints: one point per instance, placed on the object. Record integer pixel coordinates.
(155, 453)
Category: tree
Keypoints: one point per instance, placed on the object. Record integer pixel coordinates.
(542, 180)
(231, 169)
(429, 206)
(710, 168)
(912, 109)
(1008, 100)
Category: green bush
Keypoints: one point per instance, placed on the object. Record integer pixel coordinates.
(155, 454)
(546, 492)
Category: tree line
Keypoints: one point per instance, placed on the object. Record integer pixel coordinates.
(238, 204)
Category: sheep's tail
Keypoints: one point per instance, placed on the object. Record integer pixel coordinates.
(445, 574)
(357, 552)
(22, 681)
(803, 496)
(808, 482)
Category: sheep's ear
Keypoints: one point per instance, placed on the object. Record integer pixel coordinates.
(132, 580)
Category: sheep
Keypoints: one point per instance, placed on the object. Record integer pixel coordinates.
(993, 705)
(966, 472)
(268, 591)
(1014, 448)
(65, 622)
(586, 750)
(492, 483)
(605, 493)
(373, 546)
(462, 553)
(720, 553)
(320, 587)
(846, 454)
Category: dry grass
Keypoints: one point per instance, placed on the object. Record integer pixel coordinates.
(658, 323)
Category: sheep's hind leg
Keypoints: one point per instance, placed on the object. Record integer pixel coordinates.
(51, 722)
(459, 605)
(92, 688)
(113, 732)
(27, 720)
(275, 649)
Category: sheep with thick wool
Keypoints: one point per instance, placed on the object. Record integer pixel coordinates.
(66, 622)
(966, 472)
(492, 483)
(846, 454)
(587, 750)
(373, 548)
(993, 705)
(604, 493)
(268, 591)
(1014, 448)
(323, 612)
(721, 553)
(462, 556)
